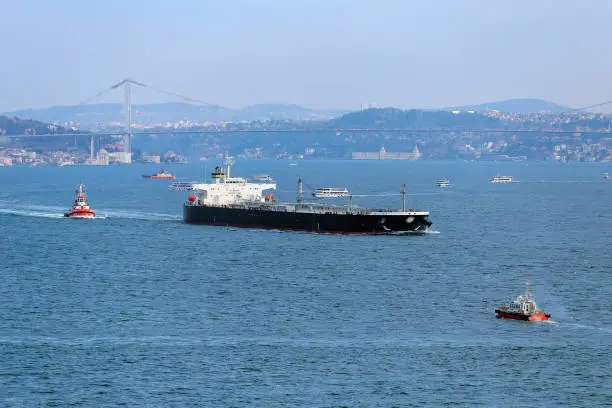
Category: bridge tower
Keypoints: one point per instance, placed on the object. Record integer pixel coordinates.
(127, 110)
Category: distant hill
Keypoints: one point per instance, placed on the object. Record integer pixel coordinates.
(517, 106)
(390, 118)
(89, 116)
(17, 126)
(284, 112)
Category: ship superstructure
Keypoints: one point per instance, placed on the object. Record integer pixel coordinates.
(227, 190)
(234, 201)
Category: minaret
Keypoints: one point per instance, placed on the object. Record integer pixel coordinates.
(382, 153)
(91, 149)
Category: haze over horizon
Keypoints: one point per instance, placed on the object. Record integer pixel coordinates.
(319, 54)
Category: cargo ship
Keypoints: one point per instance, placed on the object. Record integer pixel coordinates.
(235, 202)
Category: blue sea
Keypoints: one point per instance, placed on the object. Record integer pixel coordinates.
(137, 309)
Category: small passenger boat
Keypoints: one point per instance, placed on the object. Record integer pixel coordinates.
(502, 179)
(263, 177)
(443, 183)
(330, 192)
(182, 185)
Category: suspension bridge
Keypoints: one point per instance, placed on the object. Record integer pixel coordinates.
(128, 132)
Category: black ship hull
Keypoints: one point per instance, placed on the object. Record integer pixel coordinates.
(343, 223)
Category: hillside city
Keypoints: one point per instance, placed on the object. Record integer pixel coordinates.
(370, 134)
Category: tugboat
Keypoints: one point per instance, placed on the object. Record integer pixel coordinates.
(80, 208)
(163, 174)
(523, 308)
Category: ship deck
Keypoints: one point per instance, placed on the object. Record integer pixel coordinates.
(312, 208)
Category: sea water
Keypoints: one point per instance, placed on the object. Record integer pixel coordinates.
(138, 309)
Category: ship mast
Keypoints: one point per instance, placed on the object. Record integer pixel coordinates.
(300, 192)
(527, 294)
(228, 164)
(403, 197)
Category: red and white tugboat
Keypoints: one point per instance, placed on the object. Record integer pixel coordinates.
(523, 308)
(80, 208)
(163, 174)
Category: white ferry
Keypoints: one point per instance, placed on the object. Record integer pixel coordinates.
(263, 177)
(330, 192)
(502, 179)
(442, 183)
(182, 185)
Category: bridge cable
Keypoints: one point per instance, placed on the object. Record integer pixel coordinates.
(95, 96)
(185, 98)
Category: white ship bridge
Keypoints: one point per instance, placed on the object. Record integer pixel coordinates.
(227, 190)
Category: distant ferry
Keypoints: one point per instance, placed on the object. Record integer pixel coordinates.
(162, 174)
(330, 192)
(263, 177)
(442, 183)
(182, 185)
(606, 176)
(502, 179)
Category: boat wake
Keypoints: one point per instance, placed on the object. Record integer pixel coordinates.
(589, 327)
(564, 181)
(30, 213)
(562, 323)
(425, 232)
(138, 215)
(42, 211)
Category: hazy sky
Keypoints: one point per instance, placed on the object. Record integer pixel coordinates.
(318, 53)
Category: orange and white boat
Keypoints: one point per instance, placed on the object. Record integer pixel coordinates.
(80, 208)
(163, 174)
(523, 308)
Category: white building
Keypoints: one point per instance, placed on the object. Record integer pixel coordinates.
(151, 159)
(102, 159)
(382, 154)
